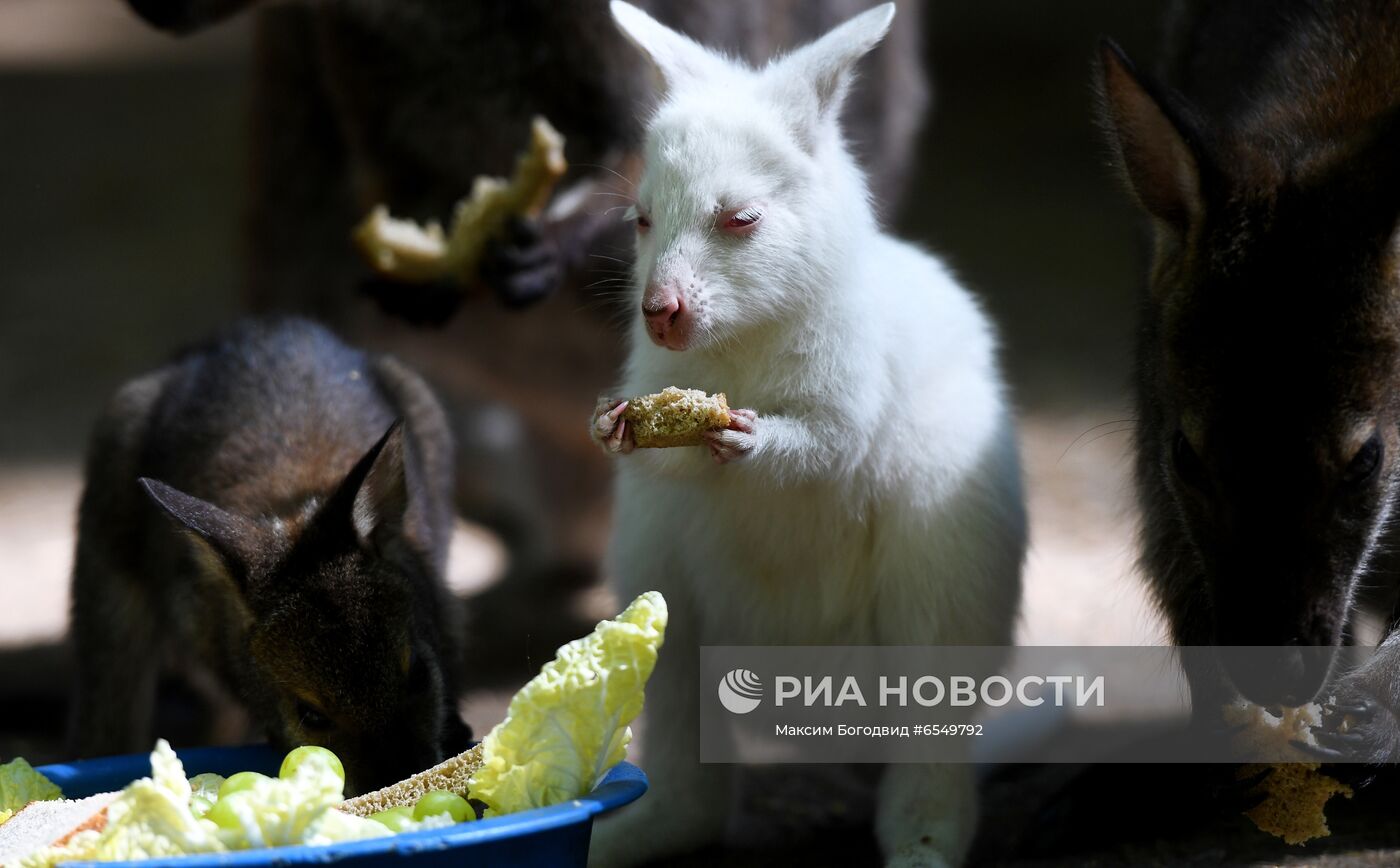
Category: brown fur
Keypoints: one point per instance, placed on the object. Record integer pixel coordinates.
(1268, 352)
(279, 539)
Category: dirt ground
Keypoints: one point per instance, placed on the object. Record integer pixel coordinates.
(122, 160)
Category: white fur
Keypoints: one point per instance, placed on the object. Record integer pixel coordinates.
(878, 500)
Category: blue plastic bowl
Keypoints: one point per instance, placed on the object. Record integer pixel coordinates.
(551, 837)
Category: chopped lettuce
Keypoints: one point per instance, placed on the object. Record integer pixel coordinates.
(334, 826)
(569, 725)
(152, 817)
(275, 812)
(206, 786)
(20, 784)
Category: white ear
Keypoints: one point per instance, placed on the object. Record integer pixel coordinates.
(826, 65)
(676, 57)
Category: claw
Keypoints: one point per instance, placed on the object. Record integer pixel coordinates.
(1339, 740)
(617, 440)
(609, 428)
(1326, 754)
(607, 422)
(1357, 708)
(1242, 794)
(742, 420)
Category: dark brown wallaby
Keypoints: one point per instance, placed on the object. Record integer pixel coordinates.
(406, 101)
(1268, 353)
(274, 506)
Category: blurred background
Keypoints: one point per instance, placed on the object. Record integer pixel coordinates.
(134, 181)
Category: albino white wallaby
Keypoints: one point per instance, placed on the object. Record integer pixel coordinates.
(871, 491)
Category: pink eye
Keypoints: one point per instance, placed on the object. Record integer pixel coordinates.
(741, 221)
(643, 223)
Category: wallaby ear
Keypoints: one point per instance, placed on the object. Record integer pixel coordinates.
(225, 542)
(1151, 146)
(676, 57)
(186, 16)
(380, 506)
(828, 65)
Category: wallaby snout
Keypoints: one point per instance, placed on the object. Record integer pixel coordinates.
(1272, 675)
(667, 316)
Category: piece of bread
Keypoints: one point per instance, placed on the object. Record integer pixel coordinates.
(675, 417)
(1295, 790)
(51, 823)
(1267, 735)
(1295, 796)
(450, 774)
(405, 251)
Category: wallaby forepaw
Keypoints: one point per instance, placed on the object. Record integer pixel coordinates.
(735, 442)
(1357, 726)
(522, 266)
(609, 429)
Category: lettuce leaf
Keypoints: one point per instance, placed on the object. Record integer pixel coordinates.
(569, 725)
(20, 784)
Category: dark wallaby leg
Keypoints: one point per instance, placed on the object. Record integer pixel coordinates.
(116, 636)
(116, 626)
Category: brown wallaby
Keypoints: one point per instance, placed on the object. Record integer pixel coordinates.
(1268, 355)
(358, 102)
(405, 101)
(276, 507)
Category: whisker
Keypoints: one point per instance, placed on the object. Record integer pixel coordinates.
(1131, 423)
(621, 177)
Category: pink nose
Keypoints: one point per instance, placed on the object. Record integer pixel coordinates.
(663, 312)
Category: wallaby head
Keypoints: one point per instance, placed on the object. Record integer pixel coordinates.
(1268, 358)
(335, 647)
(749, 198)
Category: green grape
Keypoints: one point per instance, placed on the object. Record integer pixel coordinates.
(300, 755)
(443, 802)
(239, 782)
(200, 806)
(394, 819)
(222, 813)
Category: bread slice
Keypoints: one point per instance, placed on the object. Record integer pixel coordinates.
(1295, 799)
(45, 824)
(405, 251)
(1268, 734)
(675, 417)
(451, 774)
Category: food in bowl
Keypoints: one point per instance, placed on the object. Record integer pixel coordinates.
(564, 729)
